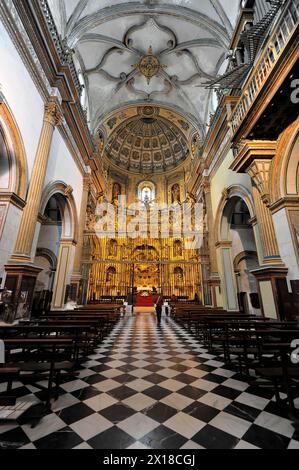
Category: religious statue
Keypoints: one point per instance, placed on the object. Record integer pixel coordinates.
(90, 218)
(110, 275)
(178, 249)
(175, 194)
(112, 251)
(116, 192)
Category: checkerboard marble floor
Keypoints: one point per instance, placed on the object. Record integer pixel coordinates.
(149, 387)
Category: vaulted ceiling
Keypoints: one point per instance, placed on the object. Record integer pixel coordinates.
(118, 43)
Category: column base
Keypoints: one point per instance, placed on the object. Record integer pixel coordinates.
(273, 290)
(214, 284)
(20, 284)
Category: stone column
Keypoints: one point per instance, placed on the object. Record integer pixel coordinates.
(81, 228)
(259, 173)
(62, 278)
(78, 261)
(214, 279)
(23, 247)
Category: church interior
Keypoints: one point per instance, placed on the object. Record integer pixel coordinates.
(149, 224)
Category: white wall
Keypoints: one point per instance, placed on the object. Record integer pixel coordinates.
(61, 167)
(9, 236)
(285, 243)
(21, 95)
(224, 178)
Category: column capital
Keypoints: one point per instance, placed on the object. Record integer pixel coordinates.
(251, 150)
(53, 114)
(259, 172)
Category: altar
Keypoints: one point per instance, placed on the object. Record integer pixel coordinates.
(144, 297)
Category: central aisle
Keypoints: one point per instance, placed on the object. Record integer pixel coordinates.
(154, 387)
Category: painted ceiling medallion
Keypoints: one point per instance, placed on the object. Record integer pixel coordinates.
(149, 66)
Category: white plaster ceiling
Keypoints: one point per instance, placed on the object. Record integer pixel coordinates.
(189, 37)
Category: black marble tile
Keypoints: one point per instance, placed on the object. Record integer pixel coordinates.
(94, 379)
(153, 368)
(156, 392)
(185, 378)
(179, 367)
(227, 392)
(213, 438)
(121, 393)
(60, 440)
(163, 438)
(201, 411)
(86, 393)
(160, 412)
(192, 392)
(117, 413)
(75, 413)
(242, 411)
(13, 439)
(265, 439)
(114, 438)
(155, 378)
(124, 378)
(217, 379)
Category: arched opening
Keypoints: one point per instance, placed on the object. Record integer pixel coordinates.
(239, 257)
(13, 185)
(47, 252)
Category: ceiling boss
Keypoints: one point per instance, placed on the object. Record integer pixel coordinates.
(149, 66)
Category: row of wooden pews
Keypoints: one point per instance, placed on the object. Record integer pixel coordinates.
(50, 348)
(263, 349)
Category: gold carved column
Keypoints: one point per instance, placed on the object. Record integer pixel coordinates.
(23, 247)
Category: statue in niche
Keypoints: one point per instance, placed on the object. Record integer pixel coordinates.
(116, 192)
(90, 218)
(178, 249)
(111, 272)
(175, 194)
(195, 145)
(112, 251)
(179, 275)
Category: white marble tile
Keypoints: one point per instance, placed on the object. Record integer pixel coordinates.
(236, 385)
(252, 400)
(64, 401)
(91, 426)
(139, 402)
(243, 445)
(139, 385)
(168, 373)
(191, 445)
(172, 385)
(215, 401)
(100, 402)
(74, 385)
(177, 401)
(107, 385)
(184, 424)
(231, 424)
(204, 385)
(48, 425)
(138, 425)
(275, 423)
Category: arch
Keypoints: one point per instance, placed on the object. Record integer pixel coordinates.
(244, 255)
(12, 145)
(286, 164)
(67, 206)
(225, 205)
(49, 255)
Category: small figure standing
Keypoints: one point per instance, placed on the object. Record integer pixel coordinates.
(159, 302)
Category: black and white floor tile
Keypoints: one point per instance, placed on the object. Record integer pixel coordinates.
(149, 387)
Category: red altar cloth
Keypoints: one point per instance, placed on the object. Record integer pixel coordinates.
(142, 301)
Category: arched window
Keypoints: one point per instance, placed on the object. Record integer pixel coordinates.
(146, 192)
